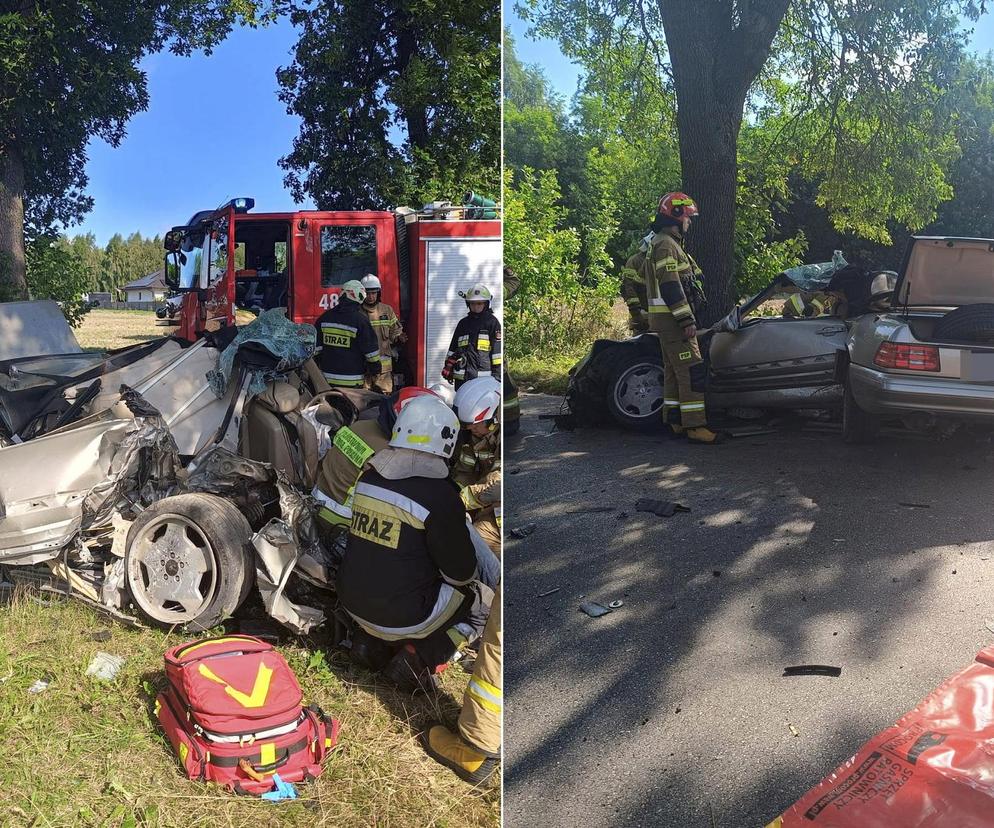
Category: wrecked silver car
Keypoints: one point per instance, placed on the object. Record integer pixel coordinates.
(754, 360)
(163, 481)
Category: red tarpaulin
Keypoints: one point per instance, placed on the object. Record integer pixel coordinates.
(933, 769)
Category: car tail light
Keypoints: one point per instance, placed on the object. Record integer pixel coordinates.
(908, 357)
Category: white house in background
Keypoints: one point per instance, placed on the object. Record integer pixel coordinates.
(151, 288)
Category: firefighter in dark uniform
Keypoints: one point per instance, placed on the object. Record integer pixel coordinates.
(475, 349)
(633, 288)
(408, 576)
(349, 350)
(673, 288)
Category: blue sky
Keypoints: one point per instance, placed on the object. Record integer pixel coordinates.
(215, 128)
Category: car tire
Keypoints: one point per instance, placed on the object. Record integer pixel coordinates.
(970, 323)
(858, 426)
(187, 561)
(635, 389)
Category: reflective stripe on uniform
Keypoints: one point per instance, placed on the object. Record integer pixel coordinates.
(658, 306)
(671, 403)
(796, 302)
(692, 406)
(332, 505)
(496, 360)
(633, 302)
(448, 601)
(348, 380)
(483, 341)
(669, 263)
(463, 341)
(401, 501)
(338, 326)
(486, 694)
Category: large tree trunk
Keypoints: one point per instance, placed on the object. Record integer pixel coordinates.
(13, 279)
(716, 49)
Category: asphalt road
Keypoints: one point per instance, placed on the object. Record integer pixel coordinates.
(671, 711)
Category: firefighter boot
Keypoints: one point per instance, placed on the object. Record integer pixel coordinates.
(409, 672)
(454, 752)
(368, 652)
(704, 436)
(677, 429)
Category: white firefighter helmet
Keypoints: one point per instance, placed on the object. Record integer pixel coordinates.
(478, 293)
(478, 400)
(370, 282)
(354, 290)
(445, 391)
(426, 424)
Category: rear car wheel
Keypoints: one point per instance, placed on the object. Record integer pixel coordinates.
(970, 323)
(186, 561)
(635, 390)
(858, 426)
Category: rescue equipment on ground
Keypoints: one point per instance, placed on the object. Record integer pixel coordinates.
(232, 712)
(933, 767)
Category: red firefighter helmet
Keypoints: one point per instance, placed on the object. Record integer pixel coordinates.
(677, 206)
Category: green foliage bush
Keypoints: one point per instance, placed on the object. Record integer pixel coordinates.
(561, 304)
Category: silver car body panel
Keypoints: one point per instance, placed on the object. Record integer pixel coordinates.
(35, 328)
(891, 393)
(772, 362)
(44, 482)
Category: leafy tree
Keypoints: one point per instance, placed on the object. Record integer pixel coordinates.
(856, 85)
(399, 101)
(69, 72)
(54, 271)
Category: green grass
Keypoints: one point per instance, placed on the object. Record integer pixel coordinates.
(102, 329)
(543, 375)
(89, 753)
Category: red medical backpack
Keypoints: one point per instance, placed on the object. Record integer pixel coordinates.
(232, 711)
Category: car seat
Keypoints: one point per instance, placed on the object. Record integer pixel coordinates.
(274, 431)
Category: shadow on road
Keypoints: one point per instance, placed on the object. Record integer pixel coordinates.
(798, 549)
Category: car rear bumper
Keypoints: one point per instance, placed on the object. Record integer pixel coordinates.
(882, 393)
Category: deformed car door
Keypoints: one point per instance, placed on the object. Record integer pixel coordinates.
(771, 354)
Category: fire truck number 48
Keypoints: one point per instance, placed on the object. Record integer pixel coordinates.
(328, 300)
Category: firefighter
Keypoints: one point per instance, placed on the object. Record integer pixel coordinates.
(408, 576)
(633, 288)
(674, 288)
(388, 330)
(477, 466)
(474, 750)
(475, 349)
(812, 303)
(349, 351)
(351, 449)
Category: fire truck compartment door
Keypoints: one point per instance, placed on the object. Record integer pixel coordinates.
(455, 265)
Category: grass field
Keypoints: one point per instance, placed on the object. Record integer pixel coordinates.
(89, 753)
(102, 329)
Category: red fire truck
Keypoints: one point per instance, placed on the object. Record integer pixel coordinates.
(230, 258)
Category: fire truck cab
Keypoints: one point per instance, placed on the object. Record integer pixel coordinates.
(228, 260)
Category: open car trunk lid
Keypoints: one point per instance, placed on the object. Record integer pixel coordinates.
(946, 272)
